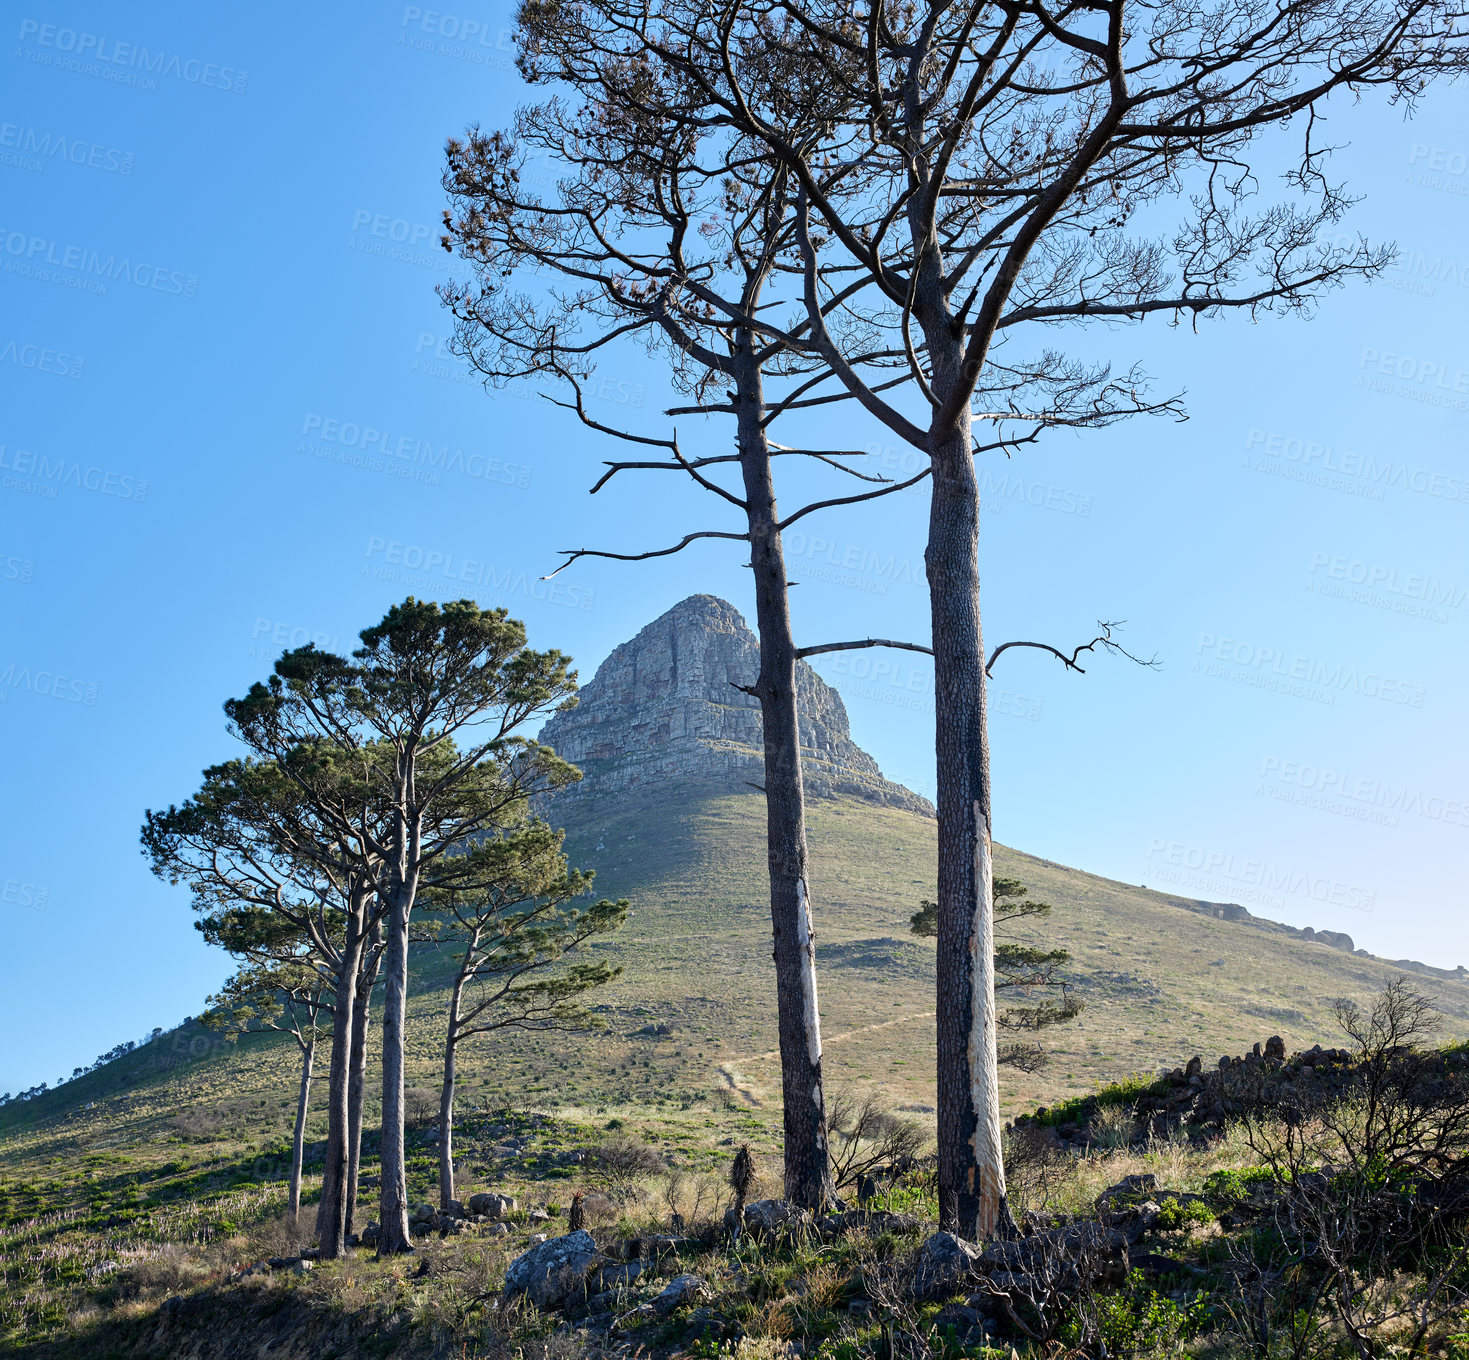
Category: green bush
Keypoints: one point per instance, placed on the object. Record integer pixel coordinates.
(1225, 1188)
(1177, 1214)
(1138, 1319)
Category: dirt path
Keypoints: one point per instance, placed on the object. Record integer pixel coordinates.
(726, 1069)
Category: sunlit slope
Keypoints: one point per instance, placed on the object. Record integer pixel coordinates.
(1161, 983)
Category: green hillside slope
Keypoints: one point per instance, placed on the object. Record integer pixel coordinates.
(1162, 980)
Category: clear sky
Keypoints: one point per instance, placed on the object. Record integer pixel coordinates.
(1295, 554)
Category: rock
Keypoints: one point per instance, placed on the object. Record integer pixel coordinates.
(1053, 1253)
(681, 1290)
(456, 1209)
(301, 1268)
(944, 1265)
(620, 1276)
(281, 1262)
(655, 1245)
(1128, 1188)
(497, 1230)
(553, 1271)
(535, 1239)
(771, 1218)
(422, 1213)
(492, 1206)
(538, 1216)
(664, 707)
(1275, 1047)
(1195, 1067)
(370, 1235)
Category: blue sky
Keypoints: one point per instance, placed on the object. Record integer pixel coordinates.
(1295, 554)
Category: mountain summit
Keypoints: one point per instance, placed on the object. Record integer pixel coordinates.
(665, 708)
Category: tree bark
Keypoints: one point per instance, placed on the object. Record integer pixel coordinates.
(331, 1217)
(298, 1142)
(357, 1073)
(971, 1170)
(808, 1180)
(446, 1098)
(393, 1237)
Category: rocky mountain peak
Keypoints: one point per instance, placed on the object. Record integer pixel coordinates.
(664, 706)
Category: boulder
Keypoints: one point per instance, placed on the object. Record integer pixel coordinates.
(944, 1265)
(492, 1206)
(613, 1277)
(1128, 1189)
(1275, 1047)
(554, 1271)
(772, 1218)
(681, 1290)
(1096, 1245)
(422, 1213)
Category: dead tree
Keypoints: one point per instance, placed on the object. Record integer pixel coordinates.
(967, 175)
(652, 224)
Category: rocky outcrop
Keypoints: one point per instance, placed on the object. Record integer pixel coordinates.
(667, 707)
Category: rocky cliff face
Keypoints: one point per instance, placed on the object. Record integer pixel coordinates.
(664, 707)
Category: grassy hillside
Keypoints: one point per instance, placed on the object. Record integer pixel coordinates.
(186, 1139)
(1161, 981)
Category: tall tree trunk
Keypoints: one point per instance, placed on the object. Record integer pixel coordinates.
(331, 1216)
(971, 1171)
(446, 1097)
(298, 1142)
(393, 1201)
(357, 1072)
(808, 1179)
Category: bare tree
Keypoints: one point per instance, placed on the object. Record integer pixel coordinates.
(651, 222)
(869, 1138)
(968, 174)
(662, 235)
